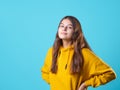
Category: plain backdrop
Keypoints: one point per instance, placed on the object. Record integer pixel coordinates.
(28, 29)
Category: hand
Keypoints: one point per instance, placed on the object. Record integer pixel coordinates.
(83, 87)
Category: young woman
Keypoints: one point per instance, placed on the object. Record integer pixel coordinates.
(70, 64)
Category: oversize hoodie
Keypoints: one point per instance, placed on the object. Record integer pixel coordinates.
(95, 72)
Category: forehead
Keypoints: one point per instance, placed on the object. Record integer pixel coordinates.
(66, 21)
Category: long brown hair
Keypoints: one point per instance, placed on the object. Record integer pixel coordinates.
(79, 42)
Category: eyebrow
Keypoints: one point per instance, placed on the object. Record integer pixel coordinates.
(68, 24)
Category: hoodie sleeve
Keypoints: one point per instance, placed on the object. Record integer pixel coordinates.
(98, 72)
(47, 65)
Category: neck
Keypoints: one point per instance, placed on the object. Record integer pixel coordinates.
(66, 43)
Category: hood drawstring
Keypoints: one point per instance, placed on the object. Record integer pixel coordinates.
(67, 59)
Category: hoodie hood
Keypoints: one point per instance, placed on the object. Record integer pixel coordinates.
(65, 53)
(62, 49)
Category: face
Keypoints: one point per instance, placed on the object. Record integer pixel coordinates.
(65, 30)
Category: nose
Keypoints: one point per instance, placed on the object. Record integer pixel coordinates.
(65, 28)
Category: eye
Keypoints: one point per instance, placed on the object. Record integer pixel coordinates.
(61, 26)
(70, 27)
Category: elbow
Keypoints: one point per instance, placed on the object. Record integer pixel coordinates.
(110, 76)
(114, 76)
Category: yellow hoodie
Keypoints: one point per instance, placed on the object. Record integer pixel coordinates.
(95, 71)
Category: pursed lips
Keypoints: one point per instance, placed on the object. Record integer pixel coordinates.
(64, 33)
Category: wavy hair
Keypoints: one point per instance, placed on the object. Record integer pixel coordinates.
(79, 42)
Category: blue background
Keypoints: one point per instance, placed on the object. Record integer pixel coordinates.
(28, 28)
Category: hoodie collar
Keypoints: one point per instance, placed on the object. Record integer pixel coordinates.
(67, 48)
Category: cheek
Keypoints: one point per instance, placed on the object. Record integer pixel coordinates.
(59, 32)
(70, 33)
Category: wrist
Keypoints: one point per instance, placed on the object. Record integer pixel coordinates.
(84, 85)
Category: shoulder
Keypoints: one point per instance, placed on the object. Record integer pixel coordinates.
(48, 57)
(88, 53)
(50, 50)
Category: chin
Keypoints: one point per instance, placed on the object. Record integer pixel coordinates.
(62, 37)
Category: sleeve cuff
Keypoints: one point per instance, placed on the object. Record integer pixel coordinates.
(87, 83)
